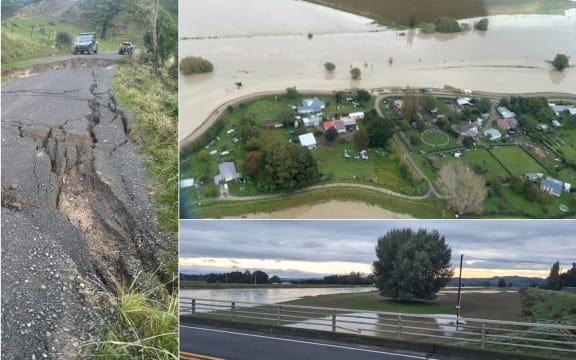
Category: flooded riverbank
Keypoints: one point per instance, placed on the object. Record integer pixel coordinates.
(267, 295)
(510, 57)
(330, 210)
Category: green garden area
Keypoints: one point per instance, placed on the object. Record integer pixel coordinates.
(273, 117)
(427, 134)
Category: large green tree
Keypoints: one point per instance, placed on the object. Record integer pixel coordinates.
(412, 264)
(379, 130)
(103, 12)
(289, 166)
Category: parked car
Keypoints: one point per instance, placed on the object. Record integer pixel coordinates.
(86, 43)
(126, 48)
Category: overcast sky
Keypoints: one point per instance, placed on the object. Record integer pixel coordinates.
(301, 248)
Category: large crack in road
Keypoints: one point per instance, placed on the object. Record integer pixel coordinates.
(77, 223)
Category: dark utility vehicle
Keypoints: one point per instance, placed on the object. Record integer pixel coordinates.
(86, 43)
(126, 48)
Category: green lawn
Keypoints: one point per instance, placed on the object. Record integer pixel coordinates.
(372, 301)
(516, 160)
(519, 206)
(481, 158)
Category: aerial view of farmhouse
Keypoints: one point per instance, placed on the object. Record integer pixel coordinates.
(426, 117)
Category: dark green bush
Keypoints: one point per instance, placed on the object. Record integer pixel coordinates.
(195, 65)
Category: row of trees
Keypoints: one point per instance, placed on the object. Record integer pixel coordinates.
(557, 281)
(234, 277)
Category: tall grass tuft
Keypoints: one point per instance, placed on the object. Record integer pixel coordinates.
(144, 326)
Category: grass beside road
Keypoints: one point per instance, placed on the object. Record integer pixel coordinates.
(23, 43)
(547, 305)
(155, 104)
(145, 326)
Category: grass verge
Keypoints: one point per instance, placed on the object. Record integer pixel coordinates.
(155, 103)
(547, 305)
(144, 326)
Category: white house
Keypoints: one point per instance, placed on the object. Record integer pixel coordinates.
(308, 140)
(492, 134)
(227, 172)
(356, 115)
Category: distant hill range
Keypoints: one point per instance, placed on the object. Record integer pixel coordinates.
(493, 281)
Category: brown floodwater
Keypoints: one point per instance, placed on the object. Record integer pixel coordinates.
(264, 45)
(330, 210)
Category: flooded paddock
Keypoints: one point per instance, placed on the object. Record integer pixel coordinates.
(265, 46)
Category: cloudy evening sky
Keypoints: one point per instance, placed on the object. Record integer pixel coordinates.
(302, 248)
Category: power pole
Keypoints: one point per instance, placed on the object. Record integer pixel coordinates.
(459, 291)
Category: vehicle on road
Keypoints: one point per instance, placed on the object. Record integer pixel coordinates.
(86, 43)
(126, 48)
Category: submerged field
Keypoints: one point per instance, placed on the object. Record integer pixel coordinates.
(406, 11)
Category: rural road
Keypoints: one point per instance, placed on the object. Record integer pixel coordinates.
(77, 224)
(217, 344)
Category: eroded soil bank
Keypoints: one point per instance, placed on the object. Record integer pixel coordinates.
(77, 224)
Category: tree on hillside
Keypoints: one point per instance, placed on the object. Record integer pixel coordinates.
(329, 66)
(502, 282)
(167, 37)
(553, 281)
(102, 13)
(289, 166)
(412, 265)
(560, 62)
(464, 189)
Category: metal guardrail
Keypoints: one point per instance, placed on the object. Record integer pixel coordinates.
(560, 339)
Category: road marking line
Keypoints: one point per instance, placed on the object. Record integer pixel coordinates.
(311, 343)
(192, 356)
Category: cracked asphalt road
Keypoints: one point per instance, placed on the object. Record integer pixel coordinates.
(77, 223)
